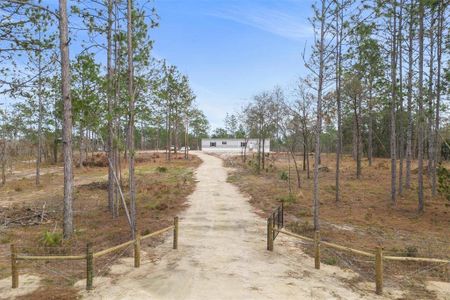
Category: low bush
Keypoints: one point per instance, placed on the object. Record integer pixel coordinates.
(284, 176)
(51, 239)
(289, 198)
(330, 261)
(161, 169)
(411, 251)
(443, 181)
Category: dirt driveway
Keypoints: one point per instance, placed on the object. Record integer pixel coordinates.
(222, 255)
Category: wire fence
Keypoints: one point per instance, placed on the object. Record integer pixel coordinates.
(68, 267)
(413, 276)
(408, 273)
(103, 265)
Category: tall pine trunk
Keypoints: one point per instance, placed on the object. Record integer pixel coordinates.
(409, 96)
(67, 124)
(339, 17)
(401, 142)
(111, 184)
(430, 118)
(40, 111)
(316, 200)
(441, 12)
(420, 207)
(130, 139)
(357, 134)
(393, 140)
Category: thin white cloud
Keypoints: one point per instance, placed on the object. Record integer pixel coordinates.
(214, 105)
(275, 21)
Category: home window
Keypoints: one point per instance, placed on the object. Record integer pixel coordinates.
(212, 144)
(224, 142)
(243, 144)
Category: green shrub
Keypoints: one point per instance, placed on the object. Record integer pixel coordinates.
(161, 169)
(330, 261)
(411, 251)
(284, 176)
(5, 238)
(51, 239)
(443, 181)
(289, 198)
(255, 168)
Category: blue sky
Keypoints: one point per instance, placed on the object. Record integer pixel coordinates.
(230, 49)
(233, 49)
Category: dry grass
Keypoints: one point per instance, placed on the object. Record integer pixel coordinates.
(160, 197)
(363, 219)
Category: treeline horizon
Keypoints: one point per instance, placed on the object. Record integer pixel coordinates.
(377, 84)
(106, 94)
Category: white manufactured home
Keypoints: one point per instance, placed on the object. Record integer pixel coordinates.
(233, 145)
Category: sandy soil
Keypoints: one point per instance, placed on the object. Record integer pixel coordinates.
(222, 255)
(30, 173)
(28, 284)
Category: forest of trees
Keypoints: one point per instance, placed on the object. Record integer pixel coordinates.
(377, 86)
(110, 94)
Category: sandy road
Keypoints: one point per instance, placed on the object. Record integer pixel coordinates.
(222, 255)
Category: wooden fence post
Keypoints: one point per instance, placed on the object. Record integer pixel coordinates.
(317, 249)
(89, 266)
(14, 269)
(379, 270)
(175, 233)
(270, 234)
(137, 251)
(446, 277)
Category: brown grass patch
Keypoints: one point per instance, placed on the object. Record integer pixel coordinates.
(363, 219)
(160, 197)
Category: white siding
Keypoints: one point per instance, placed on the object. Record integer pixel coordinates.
(232, 145)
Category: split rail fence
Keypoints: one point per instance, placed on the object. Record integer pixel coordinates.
(273, 229)
(90, 255)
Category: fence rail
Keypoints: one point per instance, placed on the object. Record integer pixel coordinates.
(56, 257)
(378, 255)
(90, 255)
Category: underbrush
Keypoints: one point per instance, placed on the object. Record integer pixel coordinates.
(51, 239)
(443, 181)
(289, 198)
(160, 197)
(362, 219)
